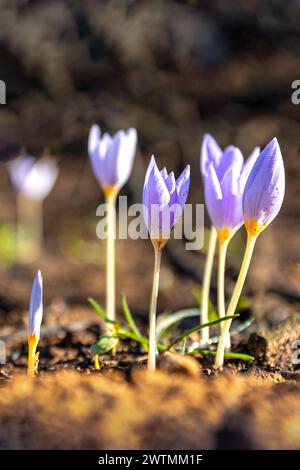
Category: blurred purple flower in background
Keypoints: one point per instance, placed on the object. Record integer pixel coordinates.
(112, 156)
(264, 190)
(33, 178)
(164, 199)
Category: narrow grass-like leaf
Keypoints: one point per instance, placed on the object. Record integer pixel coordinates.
(122, 333)
(99, 310)
(164, 321)
(228, 355)
(198, 328)
(129, 317)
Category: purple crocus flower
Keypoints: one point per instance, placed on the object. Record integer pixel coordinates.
(224, 183)
(164, 199)
(264, 190)
(112, 156)
(31, 177)
(36, 308)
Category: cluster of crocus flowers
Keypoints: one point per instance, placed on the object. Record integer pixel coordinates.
(224, 175)
(262, 195)
(35, 320)
(164, 199)
(33, 180)
(112, 160)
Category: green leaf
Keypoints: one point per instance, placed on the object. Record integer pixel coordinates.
(198, 328)
(227, 355)
(104, 344)
(129, 317)
(165, 320)
(99, 310)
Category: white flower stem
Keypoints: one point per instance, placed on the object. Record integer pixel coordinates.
(29, 228)
(153, 307)
(206, 282)
(110, 196)
(235, 298)
(221, 286)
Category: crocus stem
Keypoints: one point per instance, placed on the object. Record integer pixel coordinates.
(32, 357)
(29, 228)
(206, 282)
(110, 195)
(152, 311)
(221, 286)
(251, 239)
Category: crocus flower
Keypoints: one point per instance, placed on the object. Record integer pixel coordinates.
(163, 203)
(33, 178)
(264, 190)
(35, 320)
(112, 156)
(224, 175)
(262, 200)
(112, 160)
(164, 199)
(211, 152)
(224, 188)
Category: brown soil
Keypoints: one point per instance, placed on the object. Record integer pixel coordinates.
(186, 404)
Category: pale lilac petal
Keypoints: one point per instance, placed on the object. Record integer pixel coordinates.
(183, 185)
(126, 156)
(232, 199)
(231, 156)
(94, 138)
(36, 306)
(19, 168)
(213, 197)
(97, 158)
(265, 187)
(161, 208)
(155, 197)
(112, 157)
(164, 173)
(248, 165)
(170, 182)
(110, 161)
(40, 179)
(210, 153)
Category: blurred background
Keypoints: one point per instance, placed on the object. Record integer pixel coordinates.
(174, 70)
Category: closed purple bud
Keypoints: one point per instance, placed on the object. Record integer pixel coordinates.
(36, 307)
(112, 156)
(264, 190)
(33, 178)
(164, 199)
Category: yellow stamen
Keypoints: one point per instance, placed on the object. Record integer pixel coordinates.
(158, 243)
(253, 227)
(223, 235)
(110, 190)
(33, 356)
